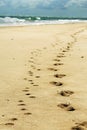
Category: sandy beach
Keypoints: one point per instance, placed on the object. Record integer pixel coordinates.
(43, 77)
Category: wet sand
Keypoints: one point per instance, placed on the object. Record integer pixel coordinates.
(43, 77)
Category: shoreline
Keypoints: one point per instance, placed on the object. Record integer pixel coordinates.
(4, 26)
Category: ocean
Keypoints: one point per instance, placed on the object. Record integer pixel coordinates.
(31, 20)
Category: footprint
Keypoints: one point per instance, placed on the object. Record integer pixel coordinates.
(37, 76)
(60, 63)
(27, 94)
(77, 128)
(52, 69)
(57, 60)
(32, 66)
(23, 109)
(20, 101)
(63, 105)
(31, 57)
(25, 90)
(38, 69)
(25, 78)
(68, 47)
(32, 83)
(9, 124)
(56, 64)
(30, 80)
(64, 51)
(30, 61)
(82, 56)
(27, 113)
(32, 97)
(3, 115)
(60, 56)
(22, 104)
(35, 85)
(59, 75)
(13, 119)
(66, 106)
(7, 100)
(84, 124)
(56, 83)
(30, 72)
(70, 108)
(66, 93)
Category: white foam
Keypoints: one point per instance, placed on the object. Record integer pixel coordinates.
(8, 21)
(38, 18)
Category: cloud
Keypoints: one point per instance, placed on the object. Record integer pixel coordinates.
(2, 3)
(44, 4)
(75, 2)
(26, 3)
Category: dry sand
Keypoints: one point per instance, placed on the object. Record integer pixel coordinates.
(43, 77)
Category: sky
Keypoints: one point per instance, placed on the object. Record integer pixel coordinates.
(64, 8)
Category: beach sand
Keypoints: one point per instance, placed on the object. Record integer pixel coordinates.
(43, 77)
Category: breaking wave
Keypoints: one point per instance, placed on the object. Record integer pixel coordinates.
(29, 20)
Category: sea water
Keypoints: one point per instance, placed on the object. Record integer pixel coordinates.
(31, 20)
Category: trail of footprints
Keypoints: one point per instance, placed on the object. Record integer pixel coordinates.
(22, 107)
(64, 93)
(26, 92)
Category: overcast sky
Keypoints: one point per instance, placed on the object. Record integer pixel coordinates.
(73, 8)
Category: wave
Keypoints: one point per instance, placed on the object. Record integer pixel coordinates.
(11, 20)
(29, 20)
